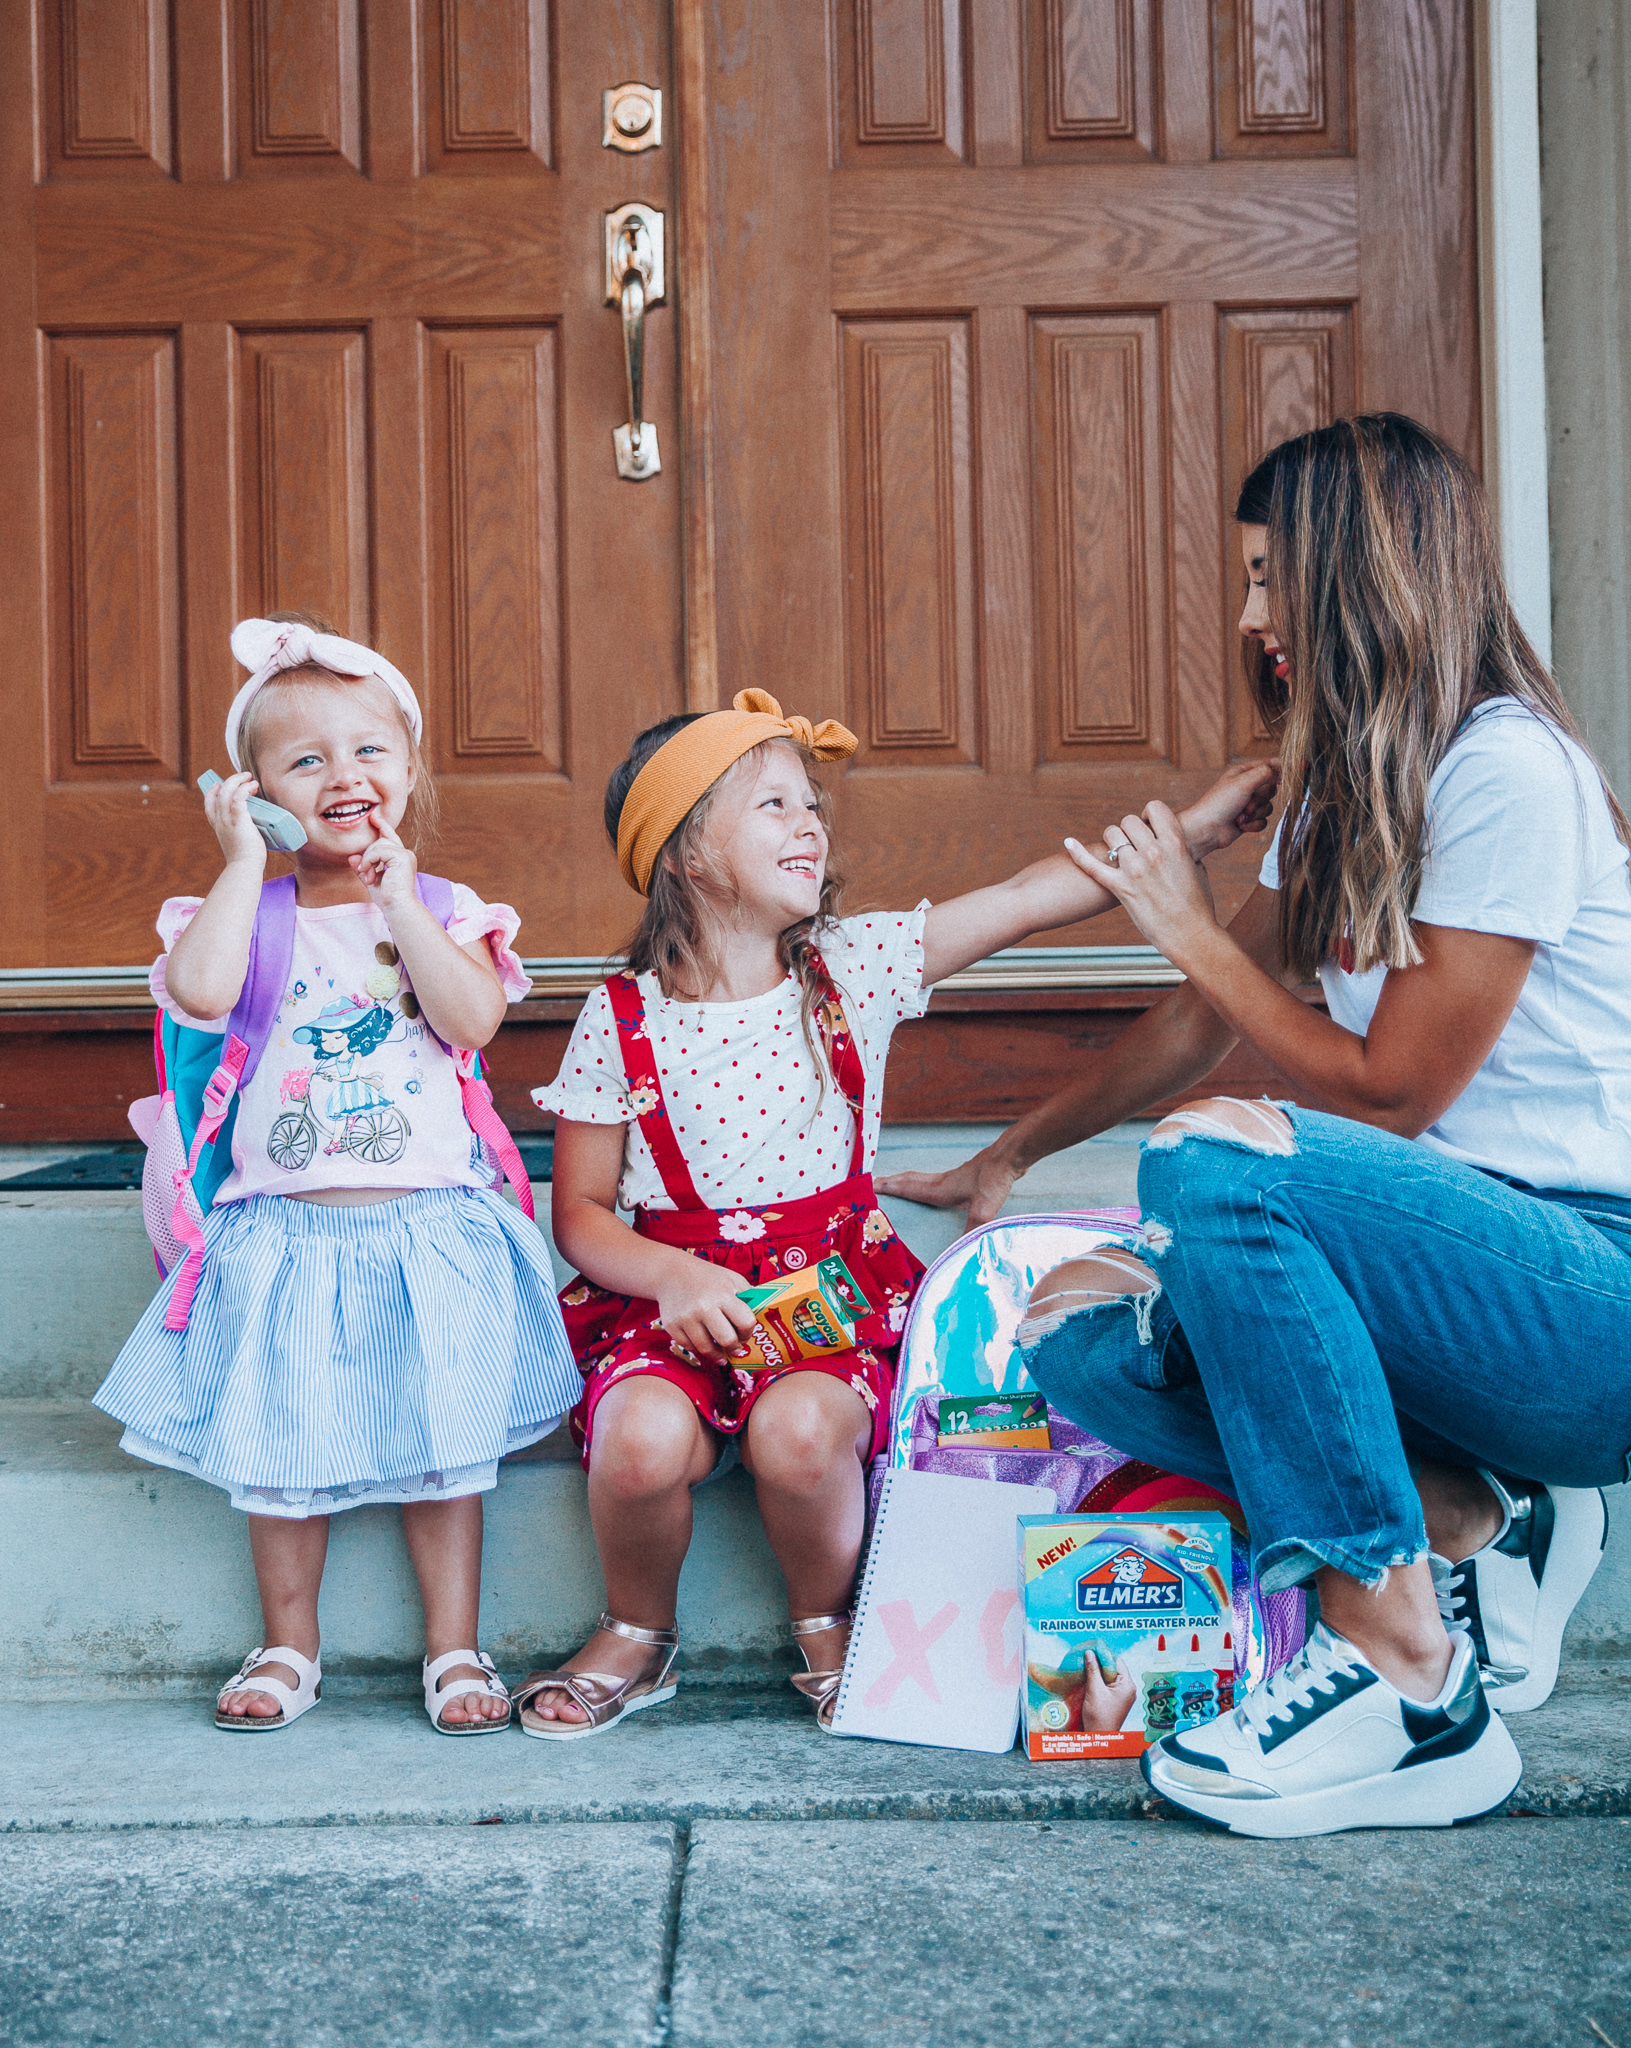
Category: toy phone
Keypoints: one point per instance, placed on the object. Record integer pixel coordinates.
(282, 830)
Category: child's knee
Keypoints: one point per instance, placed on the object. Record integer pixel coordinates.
(796, 1442)
(645, 1439)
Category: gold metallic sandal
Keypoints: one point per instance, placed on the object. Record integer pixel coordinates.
(604, 1697)
(820, 1688)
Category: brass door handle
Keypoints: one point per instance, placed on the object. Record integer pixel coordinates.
(634, 282)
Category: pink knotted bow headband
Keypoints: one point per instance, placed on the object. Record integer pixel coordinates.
(267, 648)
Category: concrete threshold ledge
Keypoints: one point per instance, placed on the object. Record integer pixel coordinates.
(100, 1765)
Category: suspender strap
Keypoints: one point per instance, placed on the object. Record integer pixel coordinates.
(646, 1089)
(843, 1057)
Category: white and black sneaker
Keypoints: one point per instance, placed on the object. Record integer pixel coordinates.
(1327, 1743)
(1514, 1597)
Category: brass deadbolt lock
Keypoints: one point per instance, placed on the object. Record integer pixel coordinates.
(633, 117)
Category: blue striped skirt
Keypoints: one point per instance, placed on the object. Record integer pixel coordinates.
(337, 1356)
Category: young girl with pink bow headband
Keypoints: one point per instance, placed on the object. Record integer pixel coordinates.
(370, 1321)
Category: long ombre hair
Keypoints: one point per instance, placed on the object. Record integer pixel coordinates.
(1386, 595)
(671, 941)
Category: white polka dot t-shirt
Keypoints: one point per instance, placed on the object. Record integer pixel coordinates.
(739, 1080)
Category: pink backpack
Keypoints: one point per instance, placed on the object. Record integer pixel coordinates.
(202, 1073)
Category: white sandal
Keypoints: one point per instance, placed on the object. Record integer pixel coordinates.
(293, 1701)
(437, 1696)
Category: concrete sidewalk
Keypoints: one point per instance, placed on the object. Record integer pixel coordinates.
(805, 1934)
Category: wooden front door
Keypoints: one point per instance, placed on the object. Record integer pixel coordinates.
(305, 310)
(1008, 296)
(977, 312)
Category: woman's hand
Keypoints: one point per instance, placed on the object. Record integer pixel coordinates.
(1156, 879)
(699, 1307)
(227, 808)
(1241, 800)
(981, 1185)
(387, 868)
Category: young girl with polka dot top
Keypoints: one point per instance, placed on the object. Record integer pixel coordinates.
(727, 1089)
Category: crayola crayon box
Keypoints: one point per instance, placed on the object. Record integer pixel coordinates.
(802, 1315)
(1146, 1597)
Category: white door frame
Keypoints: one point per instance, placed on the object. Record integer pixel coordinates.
(1512, 326)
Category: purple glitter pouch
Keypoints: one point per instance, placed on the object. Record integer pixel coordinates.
(959, 1339)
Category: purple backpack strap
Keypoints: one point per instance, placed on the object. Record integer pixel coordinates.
(271, 955)
(437, 896)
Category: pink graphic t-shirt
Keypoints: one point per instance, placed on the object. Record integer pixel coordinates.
(353, 1090)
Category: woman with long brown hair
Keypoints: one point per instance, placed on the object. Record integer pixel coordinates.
(1398, 1328)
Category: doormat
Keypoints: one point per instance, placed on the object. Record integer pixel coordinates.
(119, 1168)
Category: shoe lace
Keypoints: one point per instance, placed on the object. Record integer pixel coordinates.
(1293, 1685)
(1450, 1590)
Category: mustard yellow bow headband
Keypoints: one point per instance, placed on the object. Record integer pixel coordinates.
(685, 767)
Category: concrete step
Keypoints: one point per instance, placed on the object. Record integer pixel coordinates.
(119, 1573)
(124, 1575)
(713, 1753)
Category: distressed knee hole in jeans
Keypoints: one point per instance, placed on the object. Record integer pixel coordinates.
(1224, 1120)
(1084, 1286)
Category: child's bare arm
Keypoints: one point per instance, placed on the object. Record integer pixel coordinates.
(1043, 897)
(204, 973)
(696, 1302)
(457, 987)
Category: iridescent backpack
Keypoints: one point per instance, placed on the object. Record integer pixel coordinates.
(959, 1338)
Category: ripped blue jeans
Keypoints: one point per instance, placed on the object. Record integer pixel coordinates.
(1326, 1316)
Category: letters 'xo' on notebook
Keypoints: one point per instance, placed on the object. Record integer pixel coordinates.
(934, 1655)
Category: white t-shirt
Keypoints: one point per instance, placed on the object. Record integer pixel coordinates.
(1521, 842)
(352, 1090)
(739, 1080)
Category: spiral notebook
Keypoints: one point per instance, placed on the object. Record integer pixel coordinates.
(935, 1656)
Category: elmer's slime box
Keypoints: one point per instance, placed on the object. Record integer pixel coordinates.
(1148, 1597)
(802, 1315)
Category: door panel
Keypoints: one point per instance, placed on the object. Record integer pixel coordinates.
(111, 484)
(1025, 288)
(332, 340)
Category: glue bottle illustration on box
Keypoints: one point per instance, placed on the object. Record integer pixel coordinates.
(1226, 1677)
(1197, 1688)
(1159, 1684)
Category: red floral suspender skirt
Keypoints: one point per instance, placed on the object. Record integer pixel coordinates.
(616, 1336)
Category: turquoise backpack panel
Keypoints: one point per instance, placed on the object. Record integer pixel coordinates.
(190, 1057)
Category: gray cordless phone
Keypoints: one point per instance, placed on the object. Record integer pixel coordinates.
(282, 830)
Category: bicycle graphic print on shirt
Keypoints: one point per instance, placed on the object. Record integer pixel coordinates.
(361, 1119)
